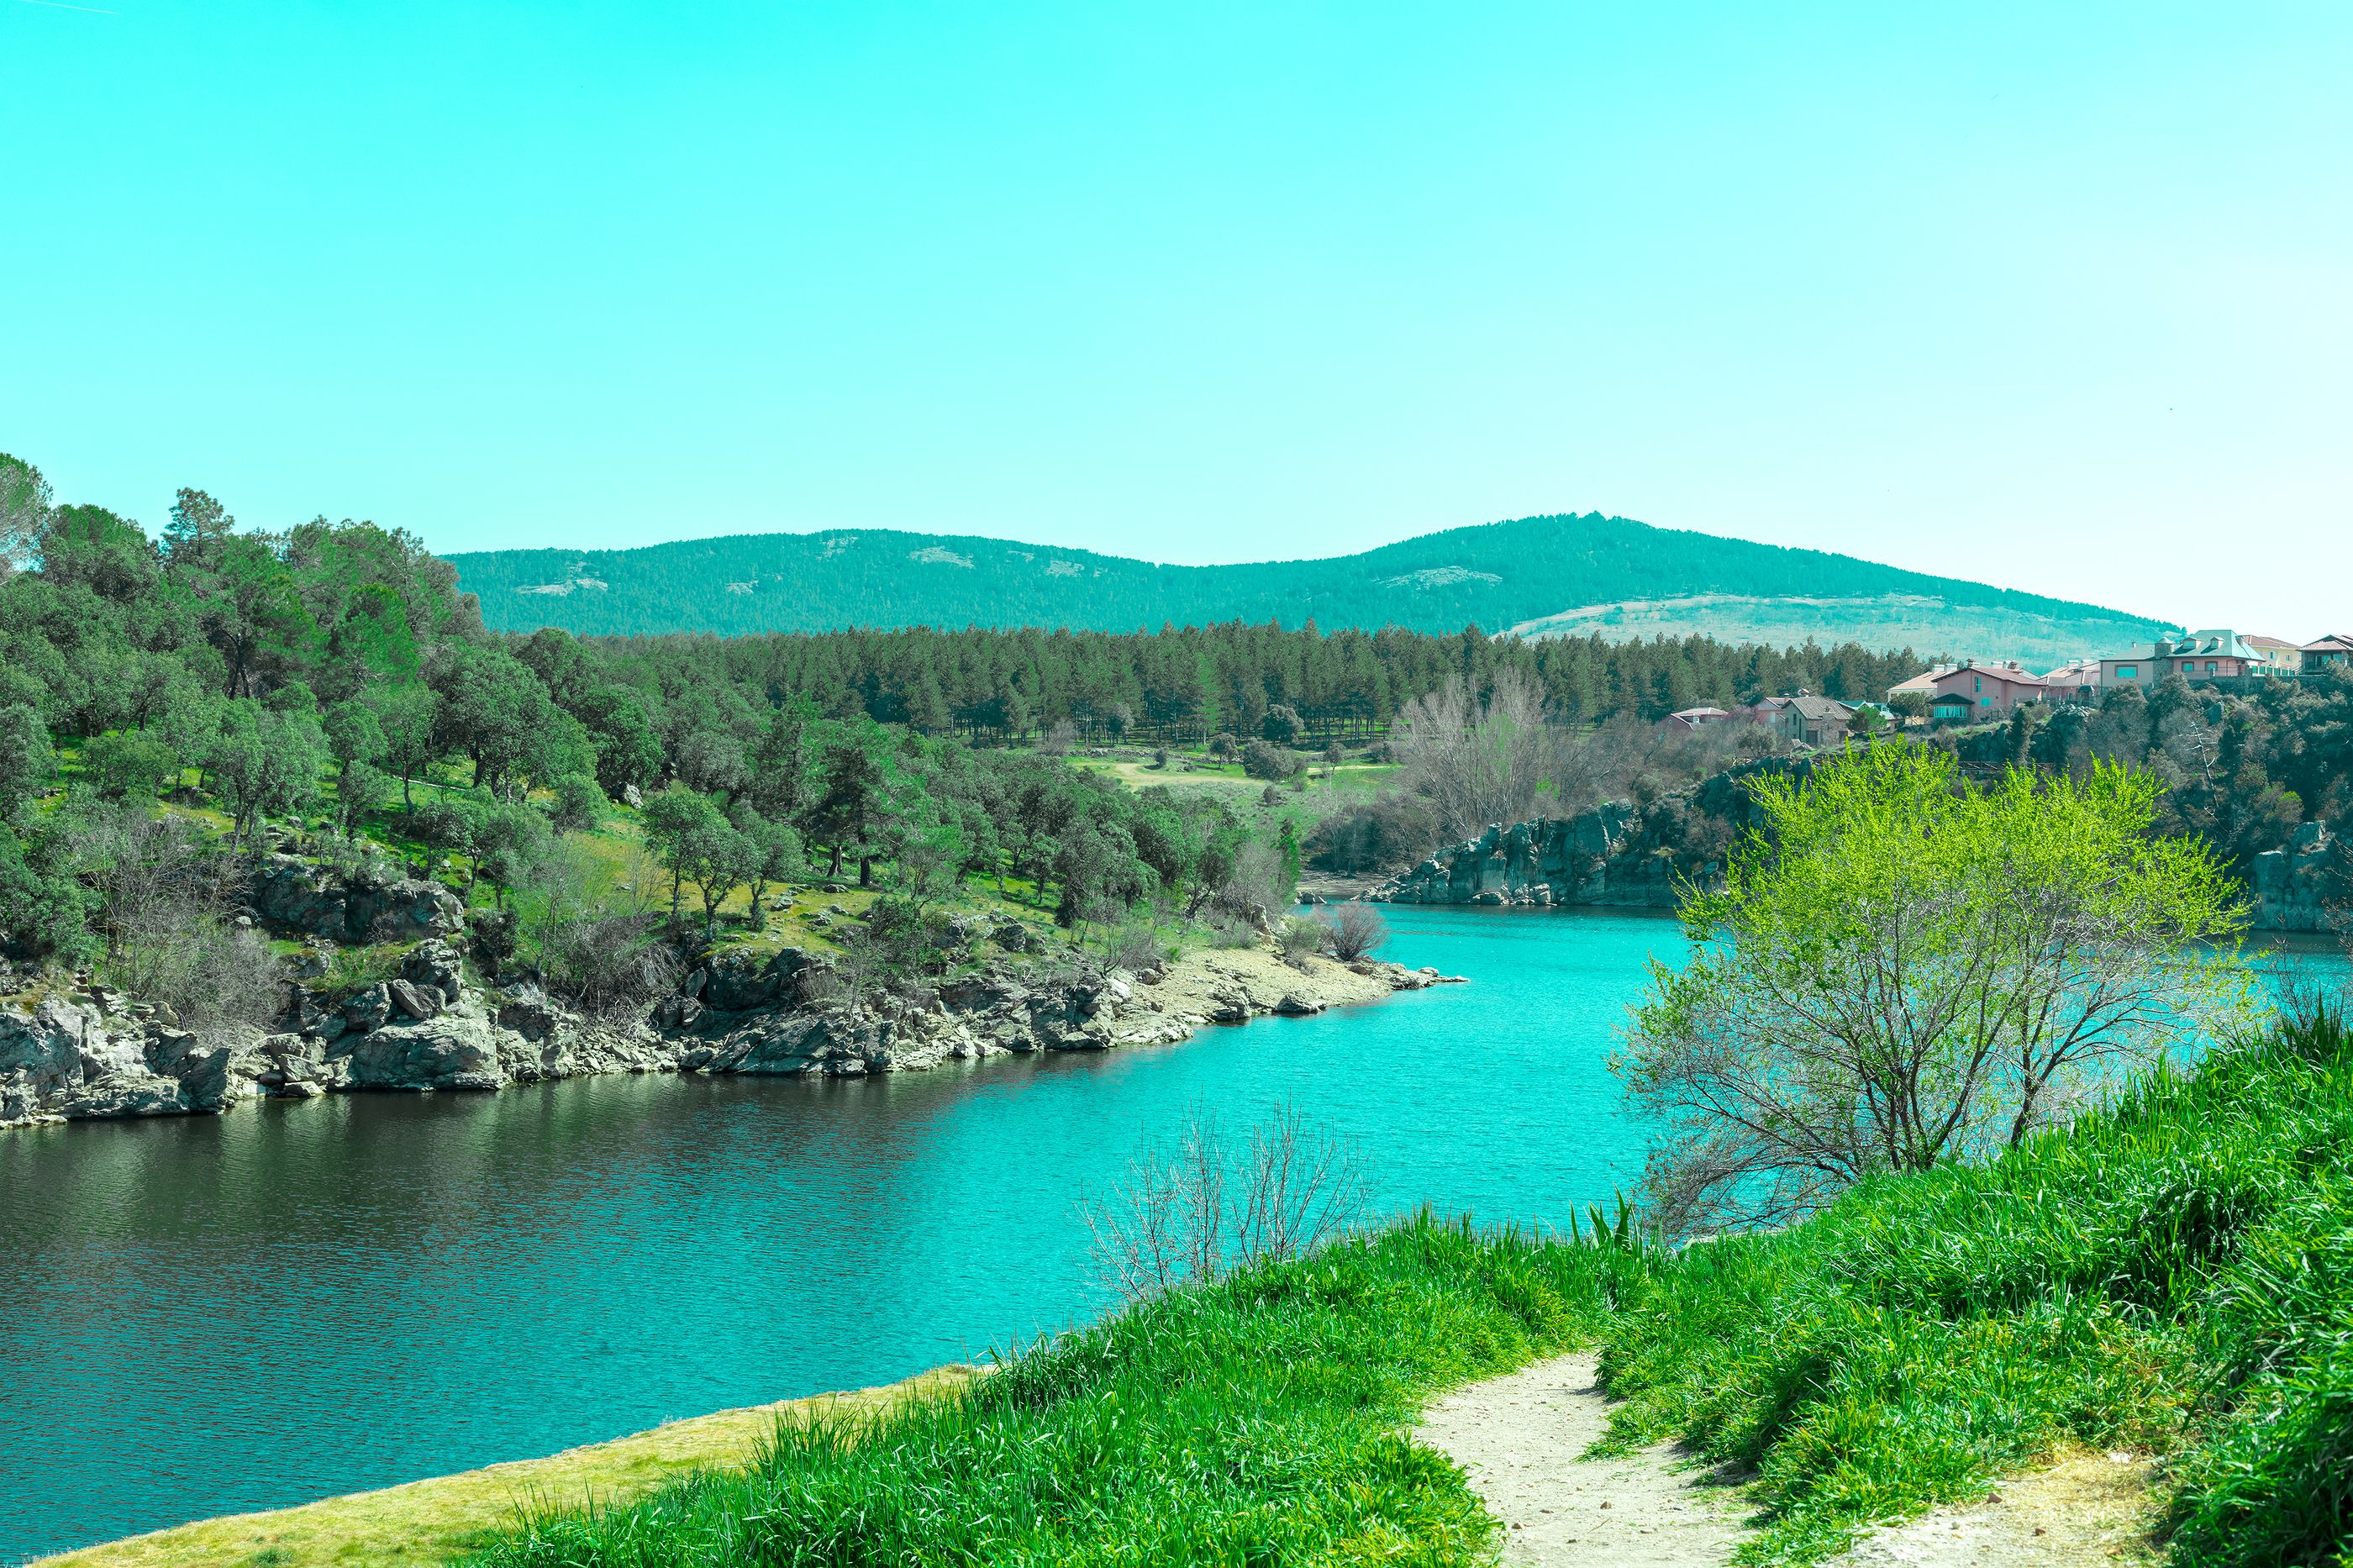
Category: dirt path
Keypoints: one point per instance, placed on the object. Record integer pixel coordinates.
(2087, 1508)
(1518, 1437)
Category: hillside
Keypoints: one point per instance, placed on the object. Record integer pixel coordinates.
(1537, 575)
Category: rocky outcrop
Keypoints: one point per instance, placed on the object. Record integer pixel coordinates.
(2298, 888)
(65, 1058)
(426, 1029)
(294, 894)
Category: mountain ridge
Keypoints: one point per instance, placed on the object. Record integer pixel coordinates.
(1523, 574)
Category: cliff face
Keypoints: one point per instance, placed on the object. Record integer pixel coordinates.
(1619, 854)
(2296, 889)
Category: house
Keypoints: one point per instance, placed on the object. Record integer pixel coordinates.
(1925, 683)
(1685, 721)
(2210, 655)
(2278, 656)
(1989, 689)
(1813, 720)
(2076, 682)
(2329, 653)
(1765, 710)
(1952, 707)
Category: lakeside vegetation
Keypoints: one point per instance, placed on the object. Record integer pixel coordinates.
(2169, 1275)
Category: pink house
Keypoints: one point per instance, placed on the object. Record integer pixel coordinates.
(1989, 689)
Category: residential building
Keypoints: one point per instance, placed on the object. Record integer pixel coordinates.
(1689, 719)
(2076, 682)
(1815, 720)
(1925, 683)
(1990, 688)
(2279, 657)
(2329, 653)
(2194, 656)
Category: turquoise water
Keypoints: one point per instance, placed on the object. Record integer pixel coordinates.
(217, 1314)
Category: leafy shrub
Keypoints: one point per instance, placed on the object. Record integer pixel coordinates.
(1264, 759)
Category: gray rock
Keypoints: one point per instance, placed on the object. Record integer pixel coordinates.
(452, 1050)
(1290, 1005)
(417, 1001)
(371, 1009)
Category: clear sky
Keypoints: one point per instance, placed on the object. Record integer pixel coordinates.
(2058, 297)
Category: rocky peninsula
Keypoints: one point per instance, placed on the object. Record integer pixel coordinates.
(85, 1052)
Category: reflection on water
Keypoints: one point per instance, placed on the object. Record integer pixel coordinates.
(216, 1314)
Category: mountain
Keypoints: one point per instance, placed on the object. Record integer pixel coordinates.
(1537, 575)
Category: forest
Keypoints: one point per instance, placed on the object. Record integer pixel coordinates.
(335, 679)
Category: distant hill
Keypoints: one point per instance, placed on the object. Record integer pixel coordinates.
(1538, 575)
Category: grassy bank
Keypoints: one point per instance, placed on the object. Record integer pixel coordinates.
(428, 1522)
(2173, 1276)
(1257, 1421)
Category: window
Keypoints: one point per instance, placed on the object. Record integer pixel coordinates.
(2209, 667)
(1981, 682)
(2188, 664)
(2127, 672)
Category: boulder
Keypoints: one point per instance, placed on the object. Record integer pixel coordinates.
(414, 1000)
(1292, 1005)
(371, 1009)
(289, 891)
(452, 1050)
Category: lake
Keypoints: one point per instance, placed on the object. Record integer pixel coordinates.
(216, 1314)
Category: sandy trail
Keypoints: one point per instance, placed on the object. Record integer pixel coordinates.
(1518, 1438)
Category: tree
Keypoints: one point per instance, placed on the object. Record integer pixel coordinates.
(27, 757)
(265, 764)
(353, 733)
(1477, 762)
(404, 715)
(671, 820)
(718, 858)
(780, 853)
(1282, 726)
(198, 525)
(509, 839)
(124, 765)
(362, 788)
(579, 805)
(1901, 970)
(24, 512)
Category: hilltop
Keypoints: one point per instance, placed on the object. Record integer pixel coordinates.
(1537, 575)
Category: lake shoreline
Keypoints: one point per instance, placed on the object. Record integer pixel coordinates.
(81, 1055)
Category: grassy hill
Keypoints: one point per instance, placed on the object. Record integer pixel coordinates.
(1541, 576)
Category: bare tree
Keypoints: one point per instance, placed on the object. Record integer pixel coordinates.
(1356, 929)
(1476, 762)
(1197, 1208)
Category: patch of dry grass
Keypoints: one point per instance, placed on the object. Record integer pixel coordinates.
(428, 1522)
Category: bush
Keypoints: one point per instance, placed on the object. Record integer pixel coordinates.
(1264, 759)
(1353, 931)
(1300, 935)
(1283, 725)
(1381, 834)
(579, 805)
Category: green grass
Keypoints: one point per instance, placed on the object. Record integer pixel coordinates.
(1259, 1421)
(2174, 1275)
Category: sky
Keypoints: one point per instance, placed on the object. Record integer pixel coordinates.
(2058, 297)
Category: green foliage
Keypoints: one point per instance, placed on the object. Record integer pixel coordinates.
(121, 766)
(1257, 1420)
(579, 805)
(1899, 970)
(27, 757)
(2171, 1274)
